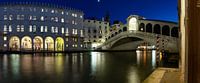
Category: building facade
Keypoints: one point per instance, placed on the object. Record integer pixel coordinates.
(33, 27)
(95, 32)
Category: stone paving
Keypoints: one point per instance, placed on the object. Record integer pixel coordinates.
(164, 75)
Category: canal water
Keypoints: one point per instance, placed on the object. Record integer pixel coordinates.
(88, 67)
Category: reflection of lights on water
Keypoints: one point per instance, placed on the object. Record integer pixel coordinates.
(95, 61)
(15, 64)
(160, 56)
(59, 64)
(133, 76)
(153, 58)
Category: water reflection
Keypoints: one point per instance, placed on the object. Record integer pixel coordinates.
(93, 67)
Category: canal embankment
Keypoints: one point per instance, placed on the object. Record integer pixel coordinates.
(164, 75)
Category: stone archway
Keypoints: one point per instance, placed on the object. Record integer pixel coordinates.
(14, 43)
(49, 44)
(26, 43)
(38, 43)
(59, 44)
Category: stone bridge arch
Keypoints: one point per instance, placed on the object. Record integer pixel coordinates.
(171, 43)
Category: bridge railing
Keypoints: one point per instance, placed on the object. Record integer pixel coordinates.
(151, 36)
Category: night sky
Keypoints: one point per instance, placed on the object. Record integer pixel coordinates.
(120, 9)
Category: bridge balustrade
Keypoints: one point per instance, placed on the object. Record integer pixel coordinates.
(151, 36)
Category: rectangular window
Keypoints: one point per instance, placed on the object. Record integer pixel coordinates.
(5, 28)
(56, 19)
(18, 17)
(22, 28)
(42, 29)
(73, 31)
(62, 20)
(73, 22)
(5, 17)
(5, 45)
(22, 17)
(42, 18)
(56, 29)
(63, 30)
(34, 18)
(46, 29)
(81, 33)
(4, 38)
(10, 17)
(52, 29)
(34, 28)
(18, 28)
(10, 28)
(76, 31)
(62, 12)
(42, 10)
(67, 39)
(66, 32)
(30, 28)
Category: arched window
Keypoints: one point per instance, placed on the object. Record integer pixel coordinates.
(115, 33)
(149, 28)
(165, 30)
(120, 31)
(124, 29)
(141, 27)
(112, 35)
(157, 29)
(174, 32)
(14, 43)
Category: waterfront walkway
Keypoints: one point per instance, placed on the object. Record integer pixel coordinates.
(164, 75)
